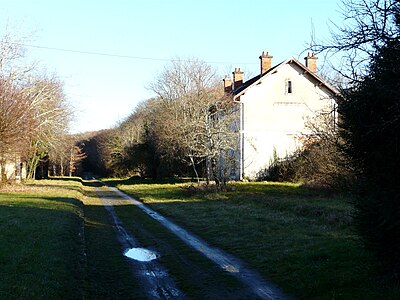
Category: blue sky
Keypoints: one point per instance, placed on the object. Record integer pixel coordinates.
(105, 89)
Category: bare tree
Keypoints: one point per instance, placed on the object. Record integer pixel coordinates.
(367, 25)
(51, 115)
(193, 119)
(16, 123)
(16, 118)
(66, 155)
(33, 109)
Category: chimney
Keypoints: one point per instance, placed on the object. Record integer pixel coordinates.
(227, 84)
(237, 78)
(311, 62)
(266, 62)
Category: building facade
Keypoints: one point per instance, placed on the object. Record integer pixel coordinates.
(274, 108)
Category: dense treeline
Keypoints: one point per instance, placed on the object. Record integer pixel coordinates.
(184, 131)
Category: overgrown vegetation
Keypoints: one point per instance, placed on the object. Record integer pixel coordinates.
(321, 162)
(303, 239)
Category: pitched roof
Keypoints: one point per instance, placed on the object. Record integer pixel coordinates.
(256, 79)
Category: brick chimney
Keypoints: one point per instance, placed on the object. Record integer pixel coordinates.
(237, 78)
(227, 84)
(265, 61)
(311, 62)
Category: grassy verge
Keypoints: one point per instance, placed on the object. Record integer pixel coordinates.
(303, 240)
(41, 241)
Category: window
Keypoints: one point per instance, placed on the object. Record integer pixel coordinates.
(289, 87)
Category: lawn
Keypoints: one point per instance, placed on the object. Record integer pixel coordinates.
(41, 241)
(304, 240)
(56, 240)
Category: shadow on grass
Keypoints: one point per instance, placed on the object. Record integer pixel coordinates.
(66, 200)
(40, 237)
(45, 254)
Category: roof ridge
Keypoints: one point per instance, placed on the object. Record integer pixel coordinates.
(248, 83)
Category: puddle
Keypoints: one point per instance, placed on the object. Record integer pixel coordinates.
(141, 254)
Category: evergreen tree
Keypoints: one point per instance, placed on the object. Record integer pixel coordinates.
(370, 121)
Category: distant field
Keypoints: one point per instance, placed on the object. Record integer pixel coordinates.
(41, 241)
(303, 240)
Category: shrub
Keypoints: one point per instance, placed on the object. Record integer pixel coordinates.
(320, 162)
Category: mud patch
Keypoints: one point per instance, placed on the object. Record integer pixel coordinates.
(141, 254)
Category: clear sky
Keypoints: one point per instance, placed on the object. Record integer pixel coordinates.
(141, 36)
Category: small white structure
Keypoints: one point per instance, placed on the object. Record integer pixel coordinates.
(13, 167)
(274, 109)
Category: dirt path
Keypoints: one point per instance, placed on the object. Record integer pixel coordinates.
(159, 283)
(154, 278)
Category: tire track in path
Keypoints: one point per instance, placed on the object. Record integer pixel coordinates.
(262, 288)
(155, 279)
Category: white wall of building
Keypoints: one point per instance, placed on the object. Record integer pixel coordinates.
(14, 168)
(273, 117)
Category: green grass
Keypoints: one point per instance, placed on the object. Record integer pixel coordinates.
(303, 240)
(56, 242)
(41, 241)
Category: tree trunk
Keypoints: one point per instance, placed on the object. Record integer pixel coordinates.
(61, 168)
(194, 169)
(3, 177)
